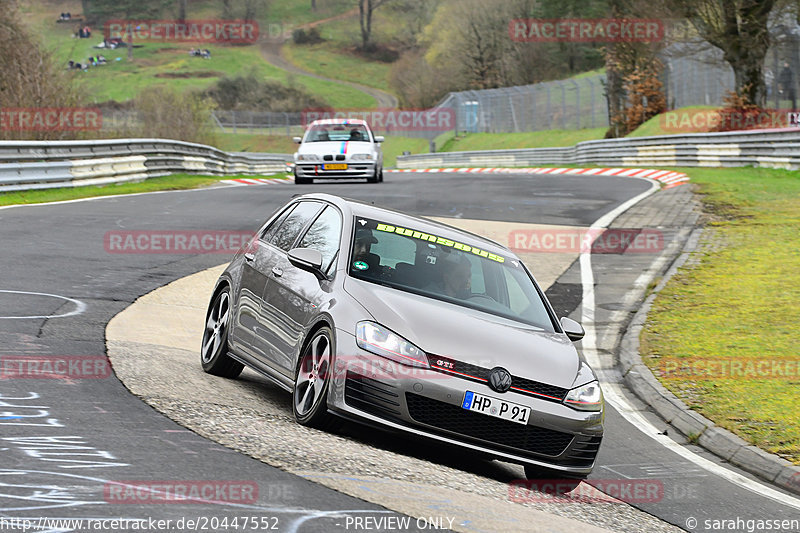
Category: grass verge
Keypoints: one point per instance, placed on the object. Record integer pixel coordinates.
(722, 334)
(172, 182)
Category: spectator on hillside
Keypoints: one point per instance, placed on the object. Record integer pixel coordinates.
(769, 80)
(786, 85)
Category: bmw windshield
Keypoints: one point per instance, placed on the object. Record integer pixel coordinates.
(444, 269)
(337, 132)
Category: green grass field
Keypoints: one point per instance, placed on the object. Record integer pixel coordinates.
(169, 63)
(331, 62)
(737, 305)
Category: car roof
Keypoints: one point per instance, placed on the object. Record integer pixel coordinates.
(343, 121)
(390, 216)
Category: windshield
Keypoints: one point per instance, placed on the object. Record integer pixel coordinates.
(442, 268)
(337, 132)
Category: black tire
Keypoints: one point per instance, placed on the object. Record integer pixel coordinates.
(375, 178)
(380, 179)
(302, 181)
(312, 380)
(214, 350)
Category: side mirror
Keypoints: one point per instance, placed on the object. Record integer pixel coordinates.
(572, 329)
(379, 138)
(297, 140)
(307, 259)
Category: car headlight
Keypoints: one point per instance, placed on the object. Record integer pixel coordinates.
(361, 157)
(587, 397)
(379, 340)
(307, 157)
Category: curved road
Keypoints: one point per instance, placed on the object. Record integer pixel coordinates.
(66, 444)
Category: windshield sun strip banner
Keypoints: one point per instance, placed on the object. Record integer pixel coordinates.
(442, 241)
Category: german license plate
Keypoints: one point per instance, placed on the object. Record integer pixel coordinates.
(496, 407)
(335, 166)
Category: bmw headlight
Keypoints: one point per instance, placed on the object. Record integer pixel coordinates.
(307, 157)
(361, 157)
(587, 397)
(379, 340)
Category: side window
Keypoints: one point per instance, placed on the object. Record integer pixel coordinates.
(270, 230)
(324, 235)
(288, 231)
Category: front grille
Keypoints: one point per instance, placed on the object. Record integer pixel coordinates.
(370, 395)
(480, 374)
(453, 418)
(327, 158)
(340, 157)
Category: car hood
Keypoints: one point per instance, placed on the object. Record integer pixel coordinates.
(336, 147)
(474, 337)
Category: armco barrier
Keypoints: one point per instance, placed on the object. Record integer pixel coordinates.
(759, 148)
(28, 165)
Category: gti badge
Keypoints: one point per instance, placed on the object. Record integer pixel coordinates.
(499, 379)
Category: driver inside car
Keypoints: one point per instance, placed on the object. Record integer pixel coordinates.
(456, 278)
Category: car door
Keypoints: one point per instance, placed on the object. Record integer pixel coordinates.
(258, 259)
(293, 295)
(266, 329)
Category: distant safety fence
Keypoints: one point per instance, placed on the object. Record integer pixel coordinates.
(759, 148)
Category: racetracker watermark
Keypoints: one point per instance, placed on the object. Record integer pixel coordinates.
(385, 119)
(728, 369)
(175, 241)
(596, 241)
(587, 491)
(184, 31)
(585, 30)
(693, 120)
(177, 491)
(50, 119)
(54, 367)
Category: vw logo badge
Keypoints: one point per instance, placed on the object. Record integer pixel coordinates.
(499, 379)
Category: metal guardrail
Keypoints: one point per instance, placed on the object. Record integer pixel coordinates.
(760, 148)
(28, 165)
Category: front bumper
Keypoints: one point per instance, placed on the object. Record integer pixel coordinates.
(358, 169)
(371, 389)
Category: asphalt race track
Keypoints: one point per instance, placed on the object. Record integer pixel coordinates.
(67, 445)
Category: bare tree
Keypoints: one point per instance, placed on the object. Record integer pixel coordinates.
(739, 29)
(365, 10)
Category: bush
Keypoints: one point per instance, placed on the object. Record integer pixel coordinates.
(30, 77)
(251, 93)
(312, 36)
(739, 113)
(165, 113)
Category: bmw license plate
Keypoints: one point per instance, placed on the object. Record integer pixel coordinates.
(496, 407)
(335, 166)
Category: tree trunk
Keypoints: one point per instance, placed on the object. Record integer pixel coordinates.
(749, 79)
(362, 19)
(182, 10)
(130, 42)
(227, 12)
